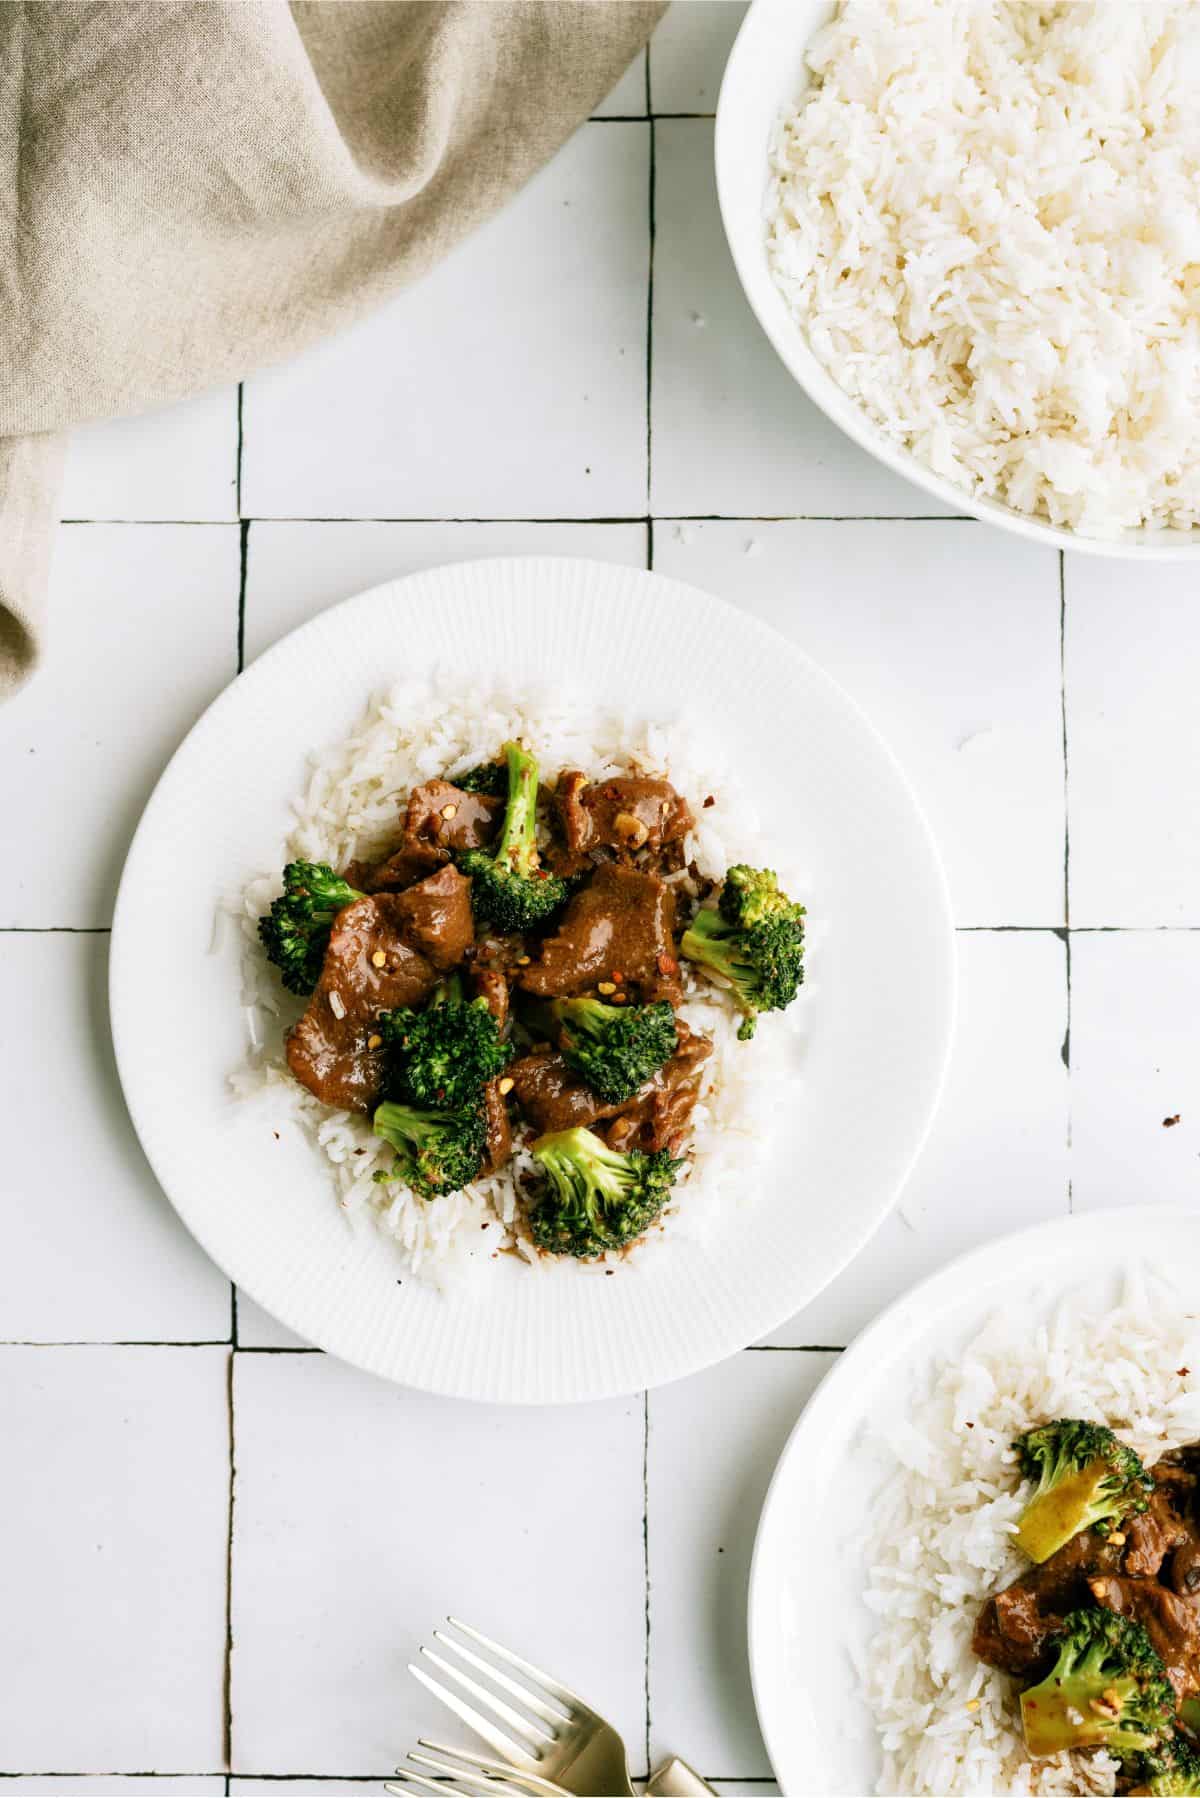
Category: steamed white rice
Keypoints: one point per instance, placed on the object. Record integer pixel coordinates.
(985, 215)
(943, 1523)
(350, 808)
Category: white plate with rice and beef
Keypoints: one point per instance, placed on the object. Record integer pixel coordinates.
(543, 1033)
(978, 1566)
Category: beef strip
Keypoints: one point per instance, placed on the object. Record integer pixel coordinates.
(499, 1132)
(623, 921)
(1014, 1628)
(552, 1095)
(435, 917)
(410, 863)
(1162, 1527)
(628, 814)
(490, 984)
(330, 1053)
(657, 1116)
(1172, 1624)
(471, 824)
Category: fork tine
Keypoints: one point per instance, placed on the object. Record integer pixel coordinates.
(530, 1782)
(532, 1732)
(522, 1693)
(562, 1693)
(463, 1787)
(424, 1785)
(495, 1738)
(474, 1773)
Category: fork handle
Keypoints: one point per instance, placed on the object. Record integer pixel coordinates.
(675, 1779)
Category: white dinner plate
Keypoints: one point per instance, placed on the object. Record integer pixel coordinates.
(879, 1003)
(808, 1557)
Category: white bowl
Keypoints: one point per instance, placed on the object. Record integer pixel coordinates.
(766, 72)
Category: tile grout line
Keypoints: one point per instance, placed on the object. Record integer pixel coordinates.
(539, 518)
(237, 474)
(650, 217)
(227, 1683)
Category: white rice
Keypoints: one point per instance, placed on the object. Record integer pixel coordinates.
(350, 808)
(942, 1532)
(985, 215)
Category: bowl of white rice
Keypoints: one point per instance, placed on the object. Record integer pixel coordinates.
(971, 231)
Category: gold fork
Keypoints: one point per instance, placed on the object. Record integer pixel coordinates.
(554, 1739)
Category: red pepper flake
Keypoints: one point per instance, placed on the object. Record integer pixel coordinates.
(970, 1426)
(1169, 1123)
(617, 976)
(1183, 1372)
(709, 801)
(667, 964)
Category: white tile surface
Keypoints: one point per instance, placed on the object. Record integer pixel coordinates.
(997, 1158)
(1133, 641)
(948, 636)
(732, 433)
(688, 52)
(117, 1496)
(258, 1329)
(293, 571)
(713, 1444)
(179, 462)
(144, 635)
(98, 1255)
(305, 1788)
(129, 1785)
(627, 100)
(1135, 1060)
(534, 406)
(364, 1514)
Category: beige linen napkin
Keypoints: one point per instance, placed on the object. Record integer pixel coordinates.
(196, 187)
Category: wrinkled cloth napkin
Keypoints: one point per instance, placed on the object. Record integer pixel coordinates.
(197, 187)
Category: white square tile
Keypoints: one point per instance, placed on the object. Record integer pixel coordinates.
(997, 1157)
(306, 1788)
(948, 637)
(1132, 647)
(294, 570)
(627, 100)
(364, 1514)
(143, 634)
(90, 1250)
(256, 1328)
(117, 1496)
(509, 382)
(177, 462)
(688, 53)
(1135, 1060)
(713, 1444)
(126, 1785)
(732, 432)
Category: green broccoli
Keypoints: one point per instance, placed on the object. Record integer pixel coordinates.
(595, 1198)
(436, 1151)
(510, 890)
(754, 939)
(1107, 1689)
(490, 778)
(1086, 1479)
(295, 932)
(1170, 1770)
(446, 1054)
(615, 1047)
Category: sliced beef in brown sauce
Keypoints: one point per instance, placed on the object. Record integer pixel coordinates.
(410, 863)
(435, 917)
(1172, 1624)
(657, 1116)
(551, 1094)
(491, 985)
(627, 814)
(622, 922)
(499, 1131)
(369, 968)
(1014, 1628)
(1162, 1527)
(471, 823)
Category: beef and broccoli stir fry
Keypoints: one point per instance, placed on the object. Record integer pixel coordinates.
(516, 963)
(1103, 1630)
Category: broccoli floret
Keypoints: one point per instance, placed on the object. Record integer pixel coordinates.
(436, 1151)
(754, 939)
(510, 890)
(295, 932)
(1108, 1688)
(594, 1198)
(615, 1047)
(446, 1054)
(1086, 1479)
(487, 777)
(1170, 1770)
